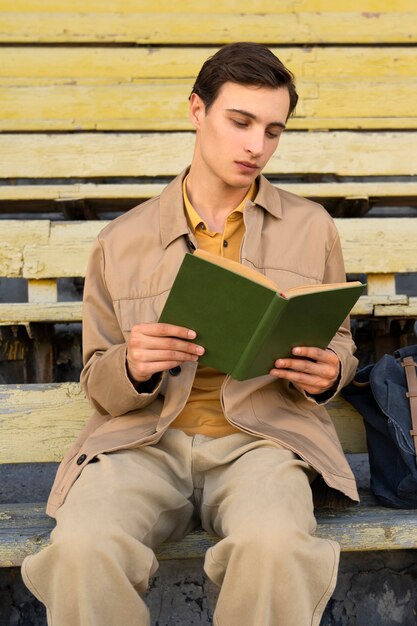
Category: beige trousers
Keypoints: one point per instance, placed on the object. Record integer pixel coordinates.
(253, 493)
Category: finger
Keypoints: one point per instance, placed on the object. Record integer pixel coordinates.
(316, 354)
(157, 329)
(149, 356)
(311, 384)
(150, 343)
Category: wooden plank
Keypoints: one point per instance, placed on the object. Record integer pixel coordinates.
(24, 313)
(38, 422)
(398, 310)
(66, 251)
(42, 291)
(25, 529)
(382, 191)
(163, 106)
(349, 425)
(66, 254)
(214, 6)
(363, 241)
(290, 22)
(86, 155)
(101, 65)
(143, 89)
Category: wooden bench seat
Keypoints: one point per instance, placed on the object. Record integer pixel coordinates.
(94, 120)
(42, 252)
(218, 21)
(25, 529)
(37, 423)
(137, 89)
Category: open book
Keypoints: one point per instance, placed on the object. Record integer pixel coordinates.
(243, 321)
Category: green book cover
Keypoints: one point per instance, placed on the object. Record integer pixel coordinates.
(241, 319)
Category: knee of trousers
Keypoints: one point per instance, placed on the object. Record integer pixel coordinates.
(259, 550)
(83, 555)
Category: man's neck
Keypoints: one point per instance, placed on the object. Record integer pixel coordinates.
(214, 202)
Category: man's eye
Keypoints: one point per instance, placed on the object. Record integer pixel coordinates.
(272, 135)
(240, 123)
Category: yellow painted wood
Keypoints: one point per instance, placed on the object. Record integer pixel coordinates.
(349, 425)
(38, 422)
(17, 233)
(381, 284)
(23, 313)
(285, 23)
(25, 530)
(164, 107)
(76, 191)
(397, 310)
(41, 291)
(11, 261)
(128, 89)
(156, 154)
(214, 6)
(147, 89)
(380, 246)
(66, 250)
(101, 65)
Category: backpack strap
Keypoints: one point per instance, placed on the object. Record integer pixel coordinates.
(410, 366)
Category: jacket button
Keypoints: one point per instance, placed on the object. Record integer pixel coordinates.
(175, 371)
(190, 245)
(81, 459)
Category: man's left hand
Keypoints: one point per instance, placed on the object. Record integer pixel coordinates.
(312, 369)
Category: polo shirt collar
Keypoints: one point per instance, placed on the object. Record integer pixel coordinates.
(173, 221)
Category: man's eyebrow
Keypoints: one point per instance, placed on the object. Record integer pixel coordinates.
(253, 117)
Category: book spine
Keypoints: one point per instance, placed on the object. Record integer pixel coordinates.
(268, 321)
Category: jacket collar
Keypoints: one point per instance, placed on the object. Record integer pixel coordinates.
(173, 222)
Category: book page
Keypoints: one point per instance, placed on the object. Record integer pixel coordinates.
(237, 268)
(297, 291)
(256, 277)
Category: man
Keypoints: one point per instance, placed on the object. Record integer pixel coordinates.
(172, 443)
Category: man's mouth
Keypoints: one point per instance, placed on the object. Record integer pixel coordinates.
(247, 165)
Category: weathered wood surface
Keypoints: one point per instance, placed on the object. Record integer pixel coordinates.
(25, 529)
(383, 192)
(39, 422)
(24, 313)
(186, 22)
(38, 249)
(147, 89)
(41, 250)
(37, 155)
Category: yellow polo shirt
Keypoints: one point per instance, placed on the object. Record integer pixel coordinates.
(203, 413)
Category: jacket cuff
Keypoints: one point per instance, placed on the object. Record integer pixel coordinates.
(109, 388)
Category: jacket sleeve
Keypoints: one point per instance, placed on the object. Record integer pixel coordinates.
(104, 377)
(342, 343)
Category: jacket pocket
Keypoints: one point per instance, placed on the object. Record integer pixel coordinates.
(133, 311)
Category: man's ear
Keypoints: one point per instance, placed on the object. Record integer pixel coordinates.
(197, 110)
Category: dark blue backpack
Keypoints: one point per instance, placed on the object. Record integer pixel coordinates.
(386, 396)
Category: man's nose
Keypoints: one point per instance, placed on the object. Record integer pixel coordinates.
(255, 143)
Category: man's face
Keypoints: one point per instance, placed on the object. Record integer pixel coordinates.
(240, 131)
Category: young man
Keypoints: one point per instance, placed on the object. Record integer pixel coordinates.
(172, 443)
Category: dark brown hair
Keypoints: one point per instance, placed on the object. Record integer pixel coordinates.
(244, 63)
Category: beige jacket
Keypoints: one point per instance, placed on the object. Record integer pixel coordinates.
(132, 266)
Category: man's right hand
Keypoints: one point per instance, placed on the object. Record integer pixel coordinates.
(158, 347)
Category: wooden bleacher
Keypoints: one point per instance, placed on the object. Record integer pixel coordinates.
(94, 120)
